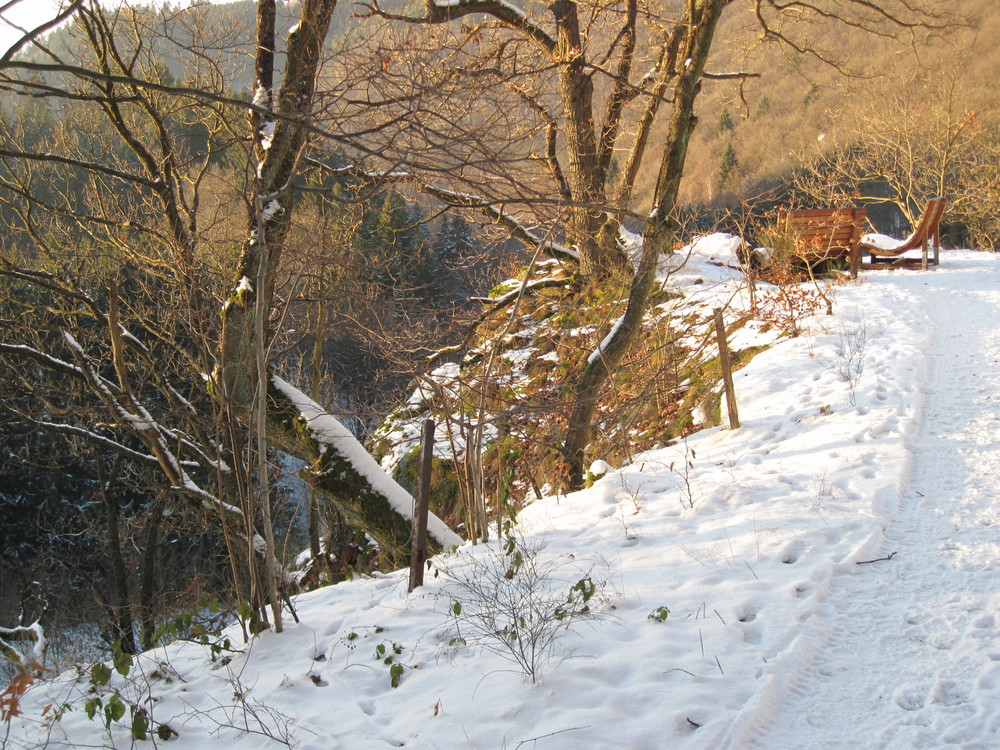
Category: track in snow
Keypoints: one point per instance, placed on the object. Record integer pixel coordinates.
(912, 657)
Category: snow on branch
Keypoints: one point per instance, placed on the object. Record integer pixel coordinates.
(606, 342)
(98, 439)
(333, 437)
(445, 11)
(53, 363)
(145, 427)
(33, 633)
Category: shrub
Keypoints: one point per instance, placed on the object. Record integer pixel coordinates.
(510, 602)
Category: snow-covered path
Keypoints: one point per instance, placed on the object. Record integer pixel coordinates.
(910, 658)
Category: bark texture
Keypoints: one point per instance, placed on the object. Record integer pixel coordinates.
(688, 64)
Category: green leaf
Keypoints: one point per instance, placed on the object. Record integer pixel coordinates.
(91, 707)
(659, 614)
(164, 732)
(115, 709)
(586, 587)
(100, 674)
(395, 675)
(122, 662)
(140, 725)
(456, 609)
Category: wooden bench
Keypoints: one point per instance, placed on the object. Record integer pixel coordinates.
(925, 237)
(826, 234)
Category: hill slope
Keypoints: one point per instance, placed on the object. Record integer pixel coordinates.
(751, 539)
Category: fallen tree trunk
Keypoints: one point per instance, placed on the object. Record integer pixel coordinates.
(342, 470)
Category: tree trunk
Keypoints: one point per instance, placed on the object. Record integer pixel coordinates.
(120, 609)
(278, 145)
(598, 257)
(701, 18)
(147, 574)
(314, 392)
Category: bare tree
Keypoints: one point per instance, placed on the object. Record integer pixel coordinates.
(906, 142)
(134, 210)
(597, 77)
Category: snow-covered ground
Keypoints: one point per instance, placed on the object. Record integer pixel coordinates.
(787, 627)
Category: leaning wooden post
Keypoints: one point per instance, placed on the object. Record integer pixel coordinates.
(418, 556)
(727, 372)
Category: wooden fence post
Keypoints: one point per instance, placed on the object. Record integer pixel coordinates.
(418, 555)
(727, 372)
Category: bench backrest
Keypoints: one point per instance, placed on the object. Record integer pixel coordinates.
(822, 234)
(929, 226)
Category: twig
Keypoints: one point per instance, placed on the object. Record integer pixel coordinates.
(719, 665)
(678, 669)
(550, 734)
(877, 559)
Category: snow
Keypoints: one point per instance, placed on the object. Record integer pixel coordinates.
(267, 134)
(606, 341)
(261, 96)
(599, 468)
(270, 210)
(502, 3)
(884, 241)
(823, 577)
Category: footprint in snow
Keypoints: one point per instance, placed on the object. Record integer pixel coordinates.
(747, 612)
(792, 553)
(910, 697)
(803, 591)
(752, 635)
(947, 693)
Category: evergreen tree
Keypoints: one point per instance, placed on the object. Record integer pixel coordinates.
(763, 107)
(727, 168)
(454, 240)
(725, 123)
